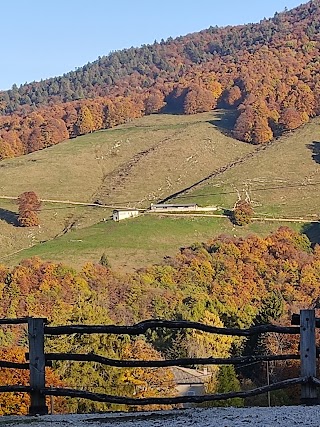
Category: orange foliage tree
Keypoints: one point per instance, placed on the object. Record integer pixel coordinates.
(242, 212)
(29, 206)
(291, 119)
(18, 403)
(198, 100)
(145, 382)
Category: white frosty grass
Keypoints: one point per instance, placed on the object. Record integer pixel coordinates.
(284, 416)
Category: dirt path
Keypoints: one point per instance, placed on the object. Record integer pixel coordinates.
(71, 202)
(220, 171)
(257, 218)
(114, 181)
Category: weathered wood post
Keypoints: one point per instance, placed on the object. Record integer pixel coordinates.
(37, 366)
(308, 355)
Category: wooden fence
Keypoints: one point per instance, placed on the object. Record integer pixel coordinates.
(38, 359)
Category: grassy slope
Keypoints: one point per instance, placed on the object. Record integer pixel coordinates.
(148, 160)
(283, 180)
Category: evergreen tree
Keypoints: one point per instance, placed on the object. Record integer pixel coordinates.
(104, 260)
(225, 382)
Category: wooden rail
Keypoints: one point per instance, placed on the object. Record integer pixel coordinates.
(99, 397)
(18, 321)
(37, 329)
(143, 327)
(91, 357)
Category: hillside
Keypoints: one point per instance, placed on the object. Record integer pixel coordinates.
(165, 60)
(265, 72)
(149, 160)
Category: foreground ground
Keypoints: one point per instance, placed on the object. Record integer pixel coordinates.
(215, 417)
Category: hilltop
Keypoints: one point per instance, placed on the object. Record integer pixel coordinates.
(168, 60)
(265, 72)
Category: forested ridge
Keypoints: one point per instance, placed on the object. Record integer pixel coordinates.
(232, 282)
(267, 71)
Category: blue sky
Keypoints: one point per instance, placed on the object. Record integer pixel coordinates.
(45, 38)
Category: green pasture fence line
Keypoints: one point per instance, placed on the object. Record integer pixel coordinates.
(38, 360)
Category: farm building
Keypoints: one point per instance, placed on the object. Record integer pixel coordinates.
(120, 214)
(190, 382)
(173, 208)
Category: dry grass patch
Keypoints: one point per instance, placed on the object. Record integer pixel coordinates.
(283, 180)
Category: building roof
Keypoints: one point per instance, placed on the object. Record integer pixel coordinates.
(165, 205)
(126, 210)
(189, 376)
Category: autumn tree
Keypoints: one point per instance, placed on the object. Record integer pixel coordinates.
(233, 96)
(121, 110)
(291, 119)
(96, 109)
(53, 131)
(85, 122)
(29, 206)
(145, 382)
(6, 151)
(242, 212)
(253, 126)
(261, 131)
(198, 100)
(18, 403)
(154, 102)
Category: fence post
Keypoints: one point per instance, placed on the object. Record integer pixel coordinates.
(308, 356)
(37, 366)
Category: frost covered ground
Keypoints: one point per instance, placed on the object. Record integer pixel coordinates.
(304, 416)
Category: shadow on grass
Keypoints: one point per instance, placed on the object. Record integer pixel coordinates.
(224, 120)
(312, 231)
(9, 217)
(315, 148)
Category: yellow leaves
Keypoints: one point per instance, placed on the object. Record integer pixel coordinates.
(6, 151)
(133, 377)
(85, 123)
(211, 345)
(120, 110)
(145, 382)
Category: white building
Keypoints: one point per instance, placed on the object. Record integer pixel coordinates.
(162, 207)
(120, 214)
(190, 382)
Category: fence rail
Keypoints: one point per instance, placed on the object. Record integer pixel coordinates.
(37, 329)
(143, 327)
(17, 321)
(99, 397)
(91, 357)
